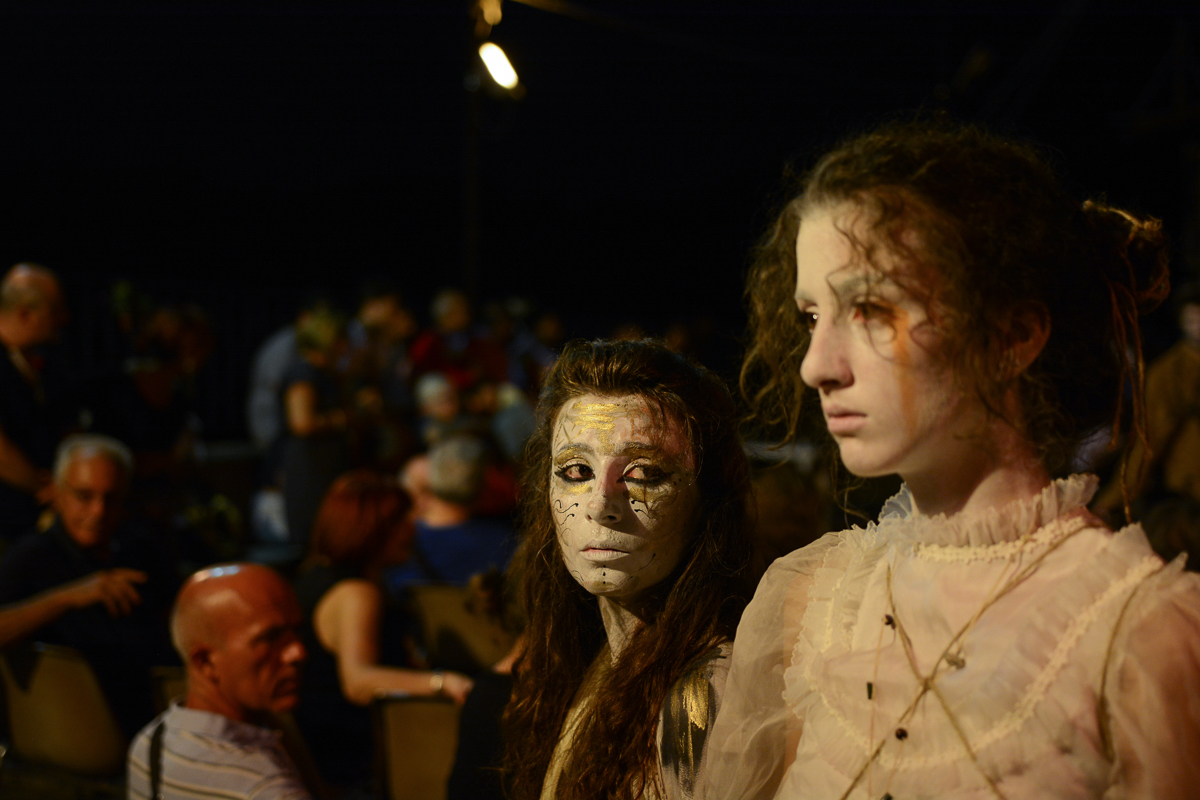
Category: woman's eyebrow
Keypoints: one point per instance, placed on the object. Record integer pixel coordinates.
(573, 450)
(853, 284)
(847, 286)
(639, 448)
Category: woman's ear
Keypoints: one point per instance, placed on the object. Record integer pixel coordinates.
(1027, 335)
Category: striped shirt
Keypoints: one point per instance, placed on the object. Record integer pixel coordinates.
(206, 755)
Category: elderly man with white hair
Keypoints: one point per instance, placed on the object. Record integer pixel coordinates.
(90, 583)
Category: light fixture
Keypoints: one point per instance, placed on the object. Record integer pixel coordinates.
(498, 65)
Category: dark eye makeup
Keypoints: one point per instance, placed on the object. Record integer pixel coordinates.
(574, 473)
(646, 475)
(637, 474)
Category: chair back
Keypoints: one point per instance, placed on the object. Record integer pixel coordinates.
(167, 684)
(57, 713)
(297, 749)
(418, 737)
(456, 635)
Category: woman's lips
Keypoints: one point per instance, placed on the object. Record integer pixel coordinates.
(843, 422)
(603, 554)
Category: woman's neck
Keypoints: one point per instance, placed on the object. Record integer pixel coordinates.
(620, 623)
(1001, 469)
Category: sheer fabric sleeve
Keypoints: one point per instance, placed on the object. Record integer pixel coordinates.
(1153, 692)
(755, 735)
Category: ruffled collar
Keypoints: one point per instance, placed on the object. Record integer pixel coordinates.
(997, 525)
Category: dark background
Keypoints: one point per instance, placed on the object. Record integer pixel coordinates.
(240, 155)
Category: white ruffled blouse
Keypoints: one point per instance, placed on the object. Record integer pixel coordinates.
(1022, 652)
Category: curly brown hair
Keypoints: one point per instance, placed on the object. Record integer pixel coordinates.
(996, 234)
(696, 607)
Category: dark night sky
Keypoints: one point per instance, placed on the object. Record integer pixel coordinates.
(241, 153)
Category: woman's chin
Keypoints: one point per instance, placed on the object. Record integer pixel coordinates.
(861, 468)
(613, 586)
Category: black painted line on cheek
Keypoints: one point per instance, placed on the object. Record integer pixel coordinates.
(561, 510)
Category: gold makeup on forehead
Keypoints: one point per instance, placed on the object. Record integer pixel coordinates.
(600, 418)
(597, 417)
(598, 414)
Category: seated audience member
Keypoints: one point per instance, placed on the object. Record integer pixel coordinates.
(439, 409)
(498, 415)
(236, 627)
(451, 544)
(148, 399)
(90, 582)
(379, 337)
(528, 354)
(501, 412)
(452, 349)
(31, 313)
(355, 641)
(380, 371)
(316, 444)
(264, 403)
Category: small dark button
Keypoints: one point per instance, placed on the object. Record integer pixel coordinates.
(889, 620)
(901, 734)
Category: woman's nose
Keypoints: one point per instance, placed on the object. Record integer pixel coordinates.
(608, 503)
(825, 365)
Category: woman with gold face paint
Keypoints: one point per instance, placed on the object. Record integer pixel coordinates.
(965, 324)
(635, 549)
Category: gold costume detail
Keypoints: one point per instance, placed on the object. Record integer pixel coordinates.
(687, 716)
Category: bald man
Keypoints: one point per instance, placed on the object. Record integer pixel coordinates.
(31, 421)
(235, 627)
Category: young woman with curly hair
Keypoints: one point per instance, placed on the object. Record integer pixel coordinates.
(965, 324)
(636, 543)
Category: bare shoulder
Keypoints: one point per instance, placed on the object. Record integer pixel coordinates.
(351, 595)
(347, 604)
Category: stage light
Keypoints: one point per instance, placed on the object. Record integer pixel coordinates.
(498, 66)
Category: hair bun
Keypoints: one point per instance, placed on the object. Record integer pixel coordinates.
(1133, 250)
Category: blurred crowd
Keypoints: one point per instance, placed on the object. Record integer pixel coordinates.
(382, 469)
(386, 459)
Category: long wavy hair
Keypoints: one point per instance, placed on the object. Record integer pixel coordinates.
(996, 234)
(695, 608)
